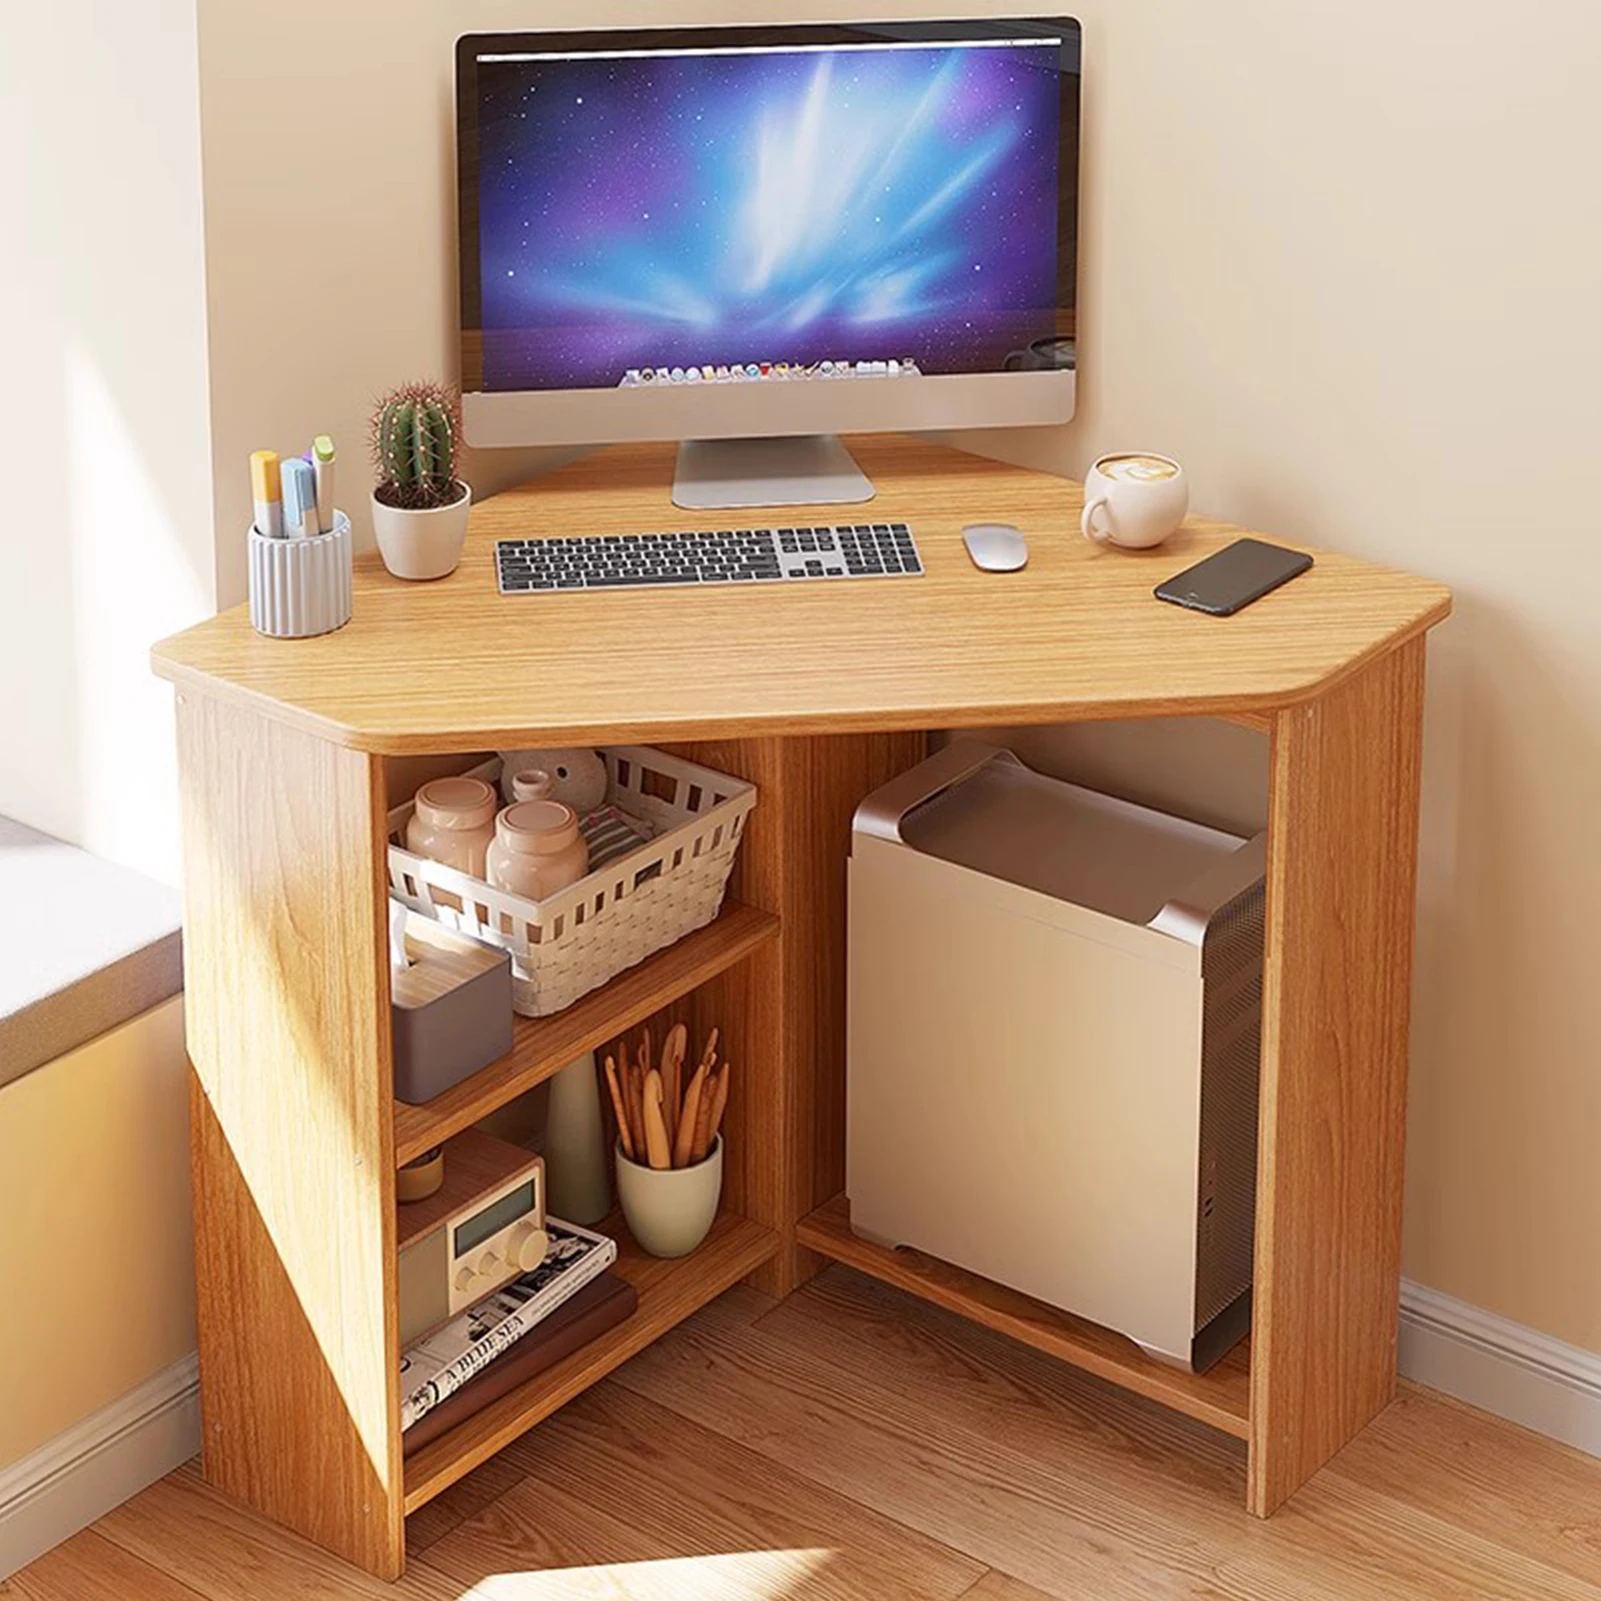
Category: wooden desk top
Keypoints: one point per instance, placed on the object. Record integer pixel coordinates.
(454, 666)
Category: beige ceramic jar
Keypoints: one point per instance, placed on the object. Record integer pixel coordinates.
(537, 849)
(454, 823)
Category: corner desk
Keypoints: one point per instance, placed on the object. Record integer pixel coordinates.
(817, 692)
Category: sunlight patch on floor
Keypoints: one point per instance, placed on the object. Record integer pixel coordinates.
(732, 1576)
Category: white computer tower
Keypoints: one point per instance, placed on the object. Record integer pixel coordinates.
(1054, 1039)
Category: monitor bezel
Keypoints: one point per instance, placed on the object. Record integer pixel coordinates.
(597, 414)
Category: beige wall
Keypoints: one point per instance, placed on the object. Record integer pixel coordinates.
(107, 533)
(1343, 262)
(107, 544)
(94, 1202)
(302, 339)
(1337, 264)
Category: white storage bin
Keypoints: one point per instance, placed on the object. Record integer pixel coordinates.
(635, 905)
(1054, 1035)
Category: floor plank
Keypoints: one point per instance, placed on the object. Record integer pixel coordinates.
(218, 1547)
(1033, 1469)
(618, 1483)
(899, 1413)
(88, 1567)
(464, 1499)
(853, 1444)
(1475, 1472)
(1340, 1540)
(998, 1586)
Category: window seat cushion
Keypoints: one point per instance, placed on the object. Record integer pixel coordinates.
(85, 945)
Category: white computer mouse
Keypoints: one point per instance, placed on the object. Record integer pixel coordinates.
(995, 547)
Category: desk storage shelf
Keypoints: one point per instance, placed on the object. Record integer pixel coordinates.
(1221, 1397)
(668, 1290)
(815, 697)
(542, 1046)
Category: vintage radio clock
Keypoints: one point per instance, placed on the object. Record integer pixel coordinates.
(484, 1227)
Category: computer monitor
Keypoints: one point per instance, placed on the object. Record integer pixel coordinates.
(753, 239)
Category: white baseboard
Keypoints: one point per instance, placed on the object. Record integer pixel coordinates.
(1501, 1367)
(98, 1464)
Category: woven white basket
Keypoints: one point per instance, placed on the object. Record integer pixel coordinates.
(568, 944)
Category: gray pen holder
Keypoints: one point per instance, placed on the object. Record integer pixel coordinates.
(301, 587)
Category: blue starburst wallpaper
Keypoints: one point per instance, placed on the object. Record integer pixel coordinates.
(784, 205)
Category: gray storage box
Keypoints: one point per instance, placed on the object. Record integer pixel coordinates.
(450, 1012)
(1054, 1036)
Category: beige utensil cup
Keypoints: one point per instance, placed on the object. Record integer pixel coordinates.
(670, 1210)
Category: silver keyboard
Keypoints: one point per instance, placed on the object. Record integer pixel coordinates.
(733, 556)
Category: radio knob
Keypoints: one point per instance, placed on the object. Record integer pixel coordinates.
(465, 1279)
(486, 1264)
(526, 1246)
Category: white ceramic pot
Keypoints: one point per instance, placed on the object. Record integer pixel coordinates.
(670, 1210)
(422, 544)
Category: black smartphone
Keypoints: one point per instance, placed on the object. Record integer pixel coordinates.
(1238, 574)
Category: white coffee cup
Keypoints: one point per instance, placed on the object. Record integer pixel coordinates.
(1134, 498)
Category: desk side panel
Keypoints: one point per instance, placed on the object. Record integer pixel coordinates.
(1342, 874)
(286, 1000)
(782, 1013)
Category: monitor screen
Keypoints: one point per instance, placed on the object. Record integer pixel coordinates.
(739, 205)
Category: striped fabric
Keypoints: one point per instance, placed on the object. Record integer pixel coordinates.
(610, 833)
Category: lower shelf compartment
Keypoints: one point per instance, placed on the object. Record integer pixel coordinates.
(1220, 1398)
(542, 1045)
(668, 1292)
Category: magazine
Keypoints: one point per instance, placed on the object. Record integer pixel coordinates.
(441, 1362)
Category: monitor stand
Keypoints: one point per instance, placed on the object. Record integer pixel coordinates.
(806, 470)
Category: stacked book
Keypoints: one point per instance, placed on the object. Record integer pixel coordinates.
(520, 1330)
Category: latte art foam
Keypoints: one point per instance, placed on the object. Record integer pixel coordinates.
(1135, 469)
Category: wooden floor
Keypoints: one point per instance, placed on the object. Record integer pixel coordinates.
(853, 1443)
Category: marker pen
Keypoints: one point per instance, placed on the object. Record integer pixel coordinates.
(299, 498)
(266, 490)
(322, 465)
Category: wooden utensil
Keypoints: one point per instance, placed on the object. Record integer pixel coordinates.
(634, 1090)
(719, 1104)
(655, 1124)
(684, 1144)
(708, 1057)
(701, 1143)
(674, 1048)
(623, 1132)
(643, 1067)
(713, 1097)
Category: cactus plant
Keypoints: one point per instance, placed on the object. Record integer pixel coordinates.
(414, 433)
